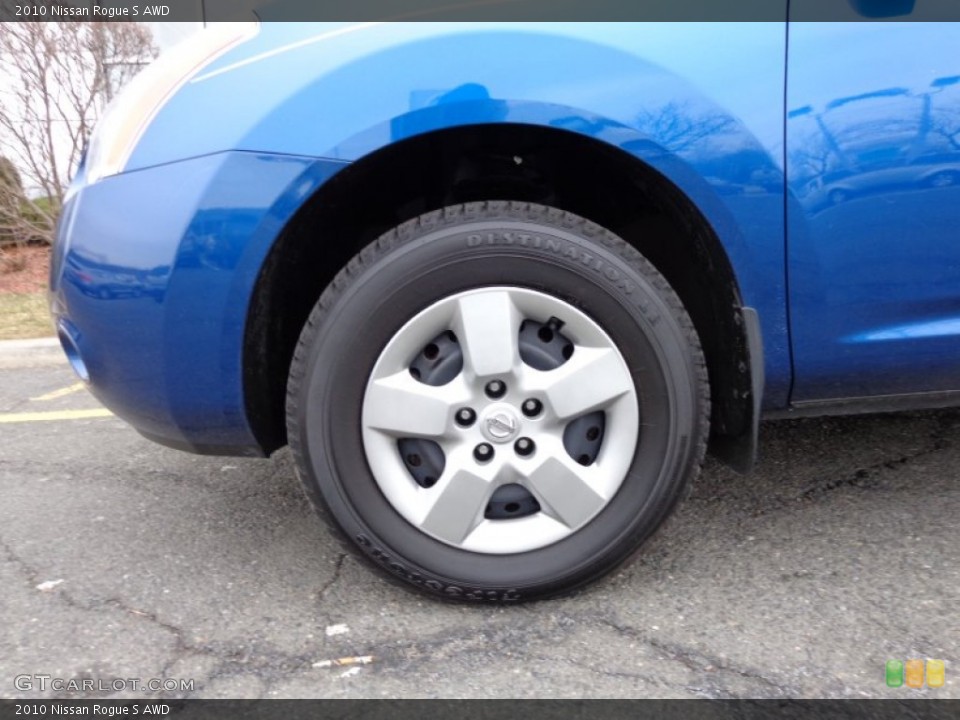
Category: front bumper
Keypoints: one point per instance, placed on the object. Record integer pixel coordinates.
(151, 282)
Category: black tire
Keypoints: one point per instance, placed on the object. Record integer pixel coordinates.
(473, 246)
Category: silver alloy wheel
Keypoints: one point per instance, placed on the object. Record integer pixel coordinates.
(501, 442)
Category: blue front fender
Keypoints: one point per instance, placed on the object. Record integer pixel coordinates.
(713, 127)
(236, 152)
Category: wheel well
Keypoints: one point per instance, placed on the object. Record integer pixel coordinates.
(493, 162)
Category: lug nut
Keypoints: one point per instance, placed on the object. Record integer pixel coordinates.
(524, 447)
(483, 452)
(465, 417)
(496, 389)
(531, 408)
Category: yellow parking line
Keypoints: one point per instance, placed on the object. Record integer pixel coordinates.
(61, 393)
(55, 415)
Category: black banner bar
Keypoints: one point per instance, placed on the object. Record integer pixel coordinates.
(476, 10)
(485, 709)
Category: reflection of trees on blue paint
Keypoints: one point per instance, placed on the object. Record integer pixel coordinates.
(885, 140)
(945, 118)
(680, 128)
(106, 281)
(721, 149)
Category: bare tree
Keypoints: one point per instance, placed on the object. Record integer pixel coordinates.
(680, 127)
(16, 220)
(57, 79)
(946, 124)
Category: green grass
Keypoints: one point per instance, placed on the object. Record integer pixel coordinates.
(24, 315)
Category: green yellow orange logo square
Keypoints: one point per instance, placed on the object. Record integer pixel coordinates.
(935, 673)
(894, 673)
(912, 673)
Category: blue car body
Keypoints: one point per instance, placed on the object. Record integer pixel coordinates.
(823, 157)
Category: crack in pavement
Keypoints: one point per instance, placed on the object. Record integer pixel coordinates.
(232, 659)
(864, 477)
(698, 661)
(412, 657)
(31, 574)
(618, 674)
(946, 422)
(337, 568)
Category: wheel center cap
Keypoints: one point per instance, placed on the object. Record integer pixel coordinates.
(500, 423)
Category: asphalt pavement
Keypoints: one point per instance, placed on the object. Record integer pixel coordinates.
(120, 559)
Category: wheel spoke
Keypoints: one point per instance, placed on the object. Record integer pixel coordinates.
(400, 405)
(563, 493)
(488, 325)
(592, 378)
(459, 508)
